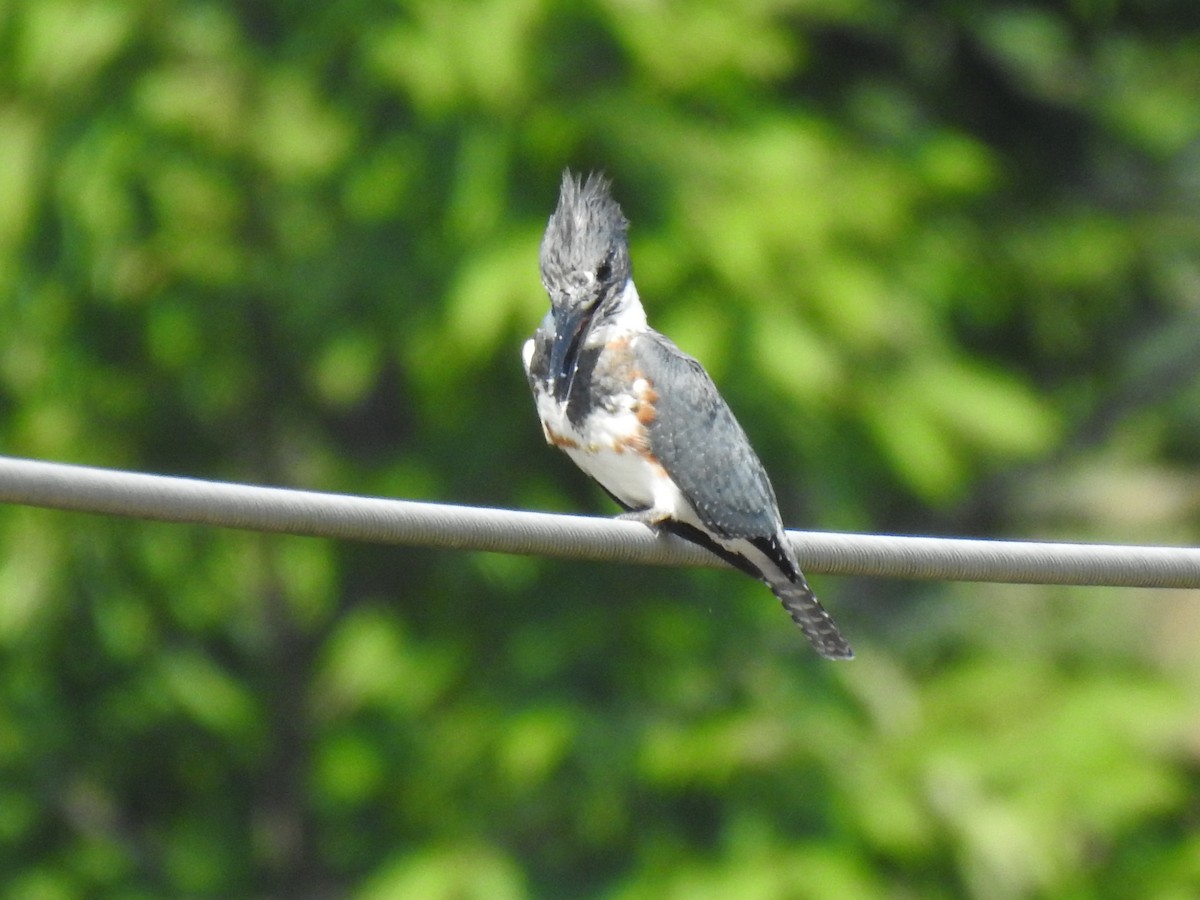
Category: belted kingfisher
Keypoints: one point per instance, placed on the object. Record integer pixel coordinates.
(643, 418)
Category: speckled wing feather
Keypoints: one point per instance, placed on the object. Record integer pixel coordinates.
(698, 441)
(696, 438)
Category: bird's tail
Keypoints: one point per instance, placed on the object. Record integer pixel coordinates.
(807, 612)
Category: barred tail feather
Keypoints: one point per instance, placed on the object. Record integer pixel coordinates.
(807, 612)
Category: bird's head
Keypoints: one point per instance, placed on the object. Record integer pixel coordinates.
(584, 261)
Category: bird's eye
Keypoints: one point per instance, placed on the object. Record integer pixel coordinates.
(604, 270)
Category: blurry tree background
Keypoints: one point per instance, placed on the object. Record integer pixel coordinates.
(944, 261)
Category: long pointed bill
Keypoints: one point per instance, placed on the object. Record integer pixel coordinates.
(570, 327)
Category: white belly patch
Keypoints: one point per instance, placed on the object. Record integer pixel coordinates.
(611, 447)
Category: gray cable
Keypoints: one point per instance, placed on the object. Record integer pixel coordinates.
(166, 499)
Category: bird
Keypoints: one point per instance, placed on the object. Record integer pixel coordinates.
(643, 418)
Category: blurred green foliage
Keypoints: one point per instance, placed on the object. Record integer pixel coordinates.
(945, 263)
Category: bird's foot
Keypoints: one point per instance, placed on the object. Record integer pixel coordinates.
(651, 518)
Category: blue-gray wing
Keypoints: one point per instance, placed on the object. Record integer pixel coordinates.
(695, 437)
(703, 448)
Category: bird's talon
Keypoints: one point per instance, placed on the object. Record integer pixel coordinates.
(648, 517)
